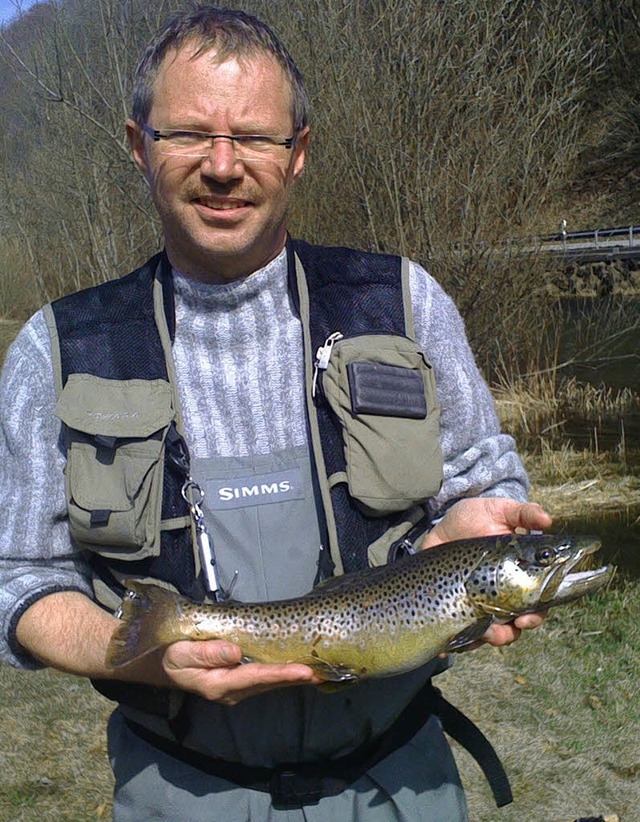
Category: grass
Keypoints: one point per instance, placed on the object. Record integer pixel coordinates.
(8, 330)
(542, 411)
(562, 707)
(52, 749)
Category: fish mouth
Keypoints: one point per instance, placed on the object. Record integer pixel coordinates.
(573, 578)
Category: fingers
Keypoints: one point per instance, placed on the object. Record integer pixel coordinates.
(528, 622)
(498, 635)
(527, 515)
(212, 669)
(505, 634)
(481, 516)
(232, 685)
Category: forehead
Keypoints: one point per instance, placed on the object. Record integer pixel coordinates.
(199, 86)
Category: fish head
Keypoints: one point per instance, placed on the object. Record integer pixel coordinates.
(526, 574)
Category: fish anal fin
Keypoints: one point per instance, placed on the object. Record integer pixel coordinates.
(335, 674)
(470, 634)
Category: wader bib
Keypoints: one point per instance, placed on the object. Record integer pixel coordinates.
(370, 396)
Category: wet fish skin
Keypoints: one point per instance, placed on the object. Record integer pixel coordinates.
(376, 622)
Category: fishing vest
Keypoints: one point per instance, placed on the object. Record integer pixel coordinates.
(373, 420)
(372, 415)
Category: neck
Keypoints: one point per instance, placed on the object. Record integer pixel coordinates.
(221, 270)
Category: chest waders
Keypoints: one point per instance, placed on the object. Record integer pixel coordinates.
(372, 415)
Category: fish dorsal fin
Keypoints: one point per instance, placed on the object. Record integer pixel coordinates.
(330, 582)
(470, 634)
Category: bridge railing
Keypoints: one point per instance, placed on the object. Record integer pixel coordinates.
(598, 237)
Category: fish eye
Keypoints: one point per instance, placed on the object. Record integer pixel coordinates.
(545, 556)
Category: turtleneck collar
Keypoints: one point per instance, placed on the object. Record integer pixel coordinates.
(193, 293)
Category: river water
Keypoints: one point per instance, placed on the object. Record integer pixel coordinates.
(601, 345)
(601, 340)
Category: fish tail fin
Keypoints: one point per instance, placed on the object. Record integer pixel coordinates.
(149, 620)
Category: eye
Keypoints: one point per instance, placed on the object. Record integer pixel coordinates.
(186, 138)
(545, 556)
(255, 142)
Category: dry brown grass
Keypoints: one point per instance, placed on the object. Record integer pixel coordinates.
(535, 408)
(577, 484)
(8, 331)
(52, 749)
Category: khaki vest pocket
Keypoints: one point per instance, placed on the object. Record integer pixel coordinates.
(383, 391)
(115, 432)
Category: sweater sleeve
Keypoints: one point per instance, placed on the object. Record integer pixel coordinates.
(36, 553)
(479, 460)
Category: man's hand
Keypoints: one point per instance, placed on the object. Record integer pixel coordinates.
(212, 669)
(481, 516)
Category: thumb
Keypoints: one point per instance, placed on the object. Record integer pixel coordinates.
(212, 653)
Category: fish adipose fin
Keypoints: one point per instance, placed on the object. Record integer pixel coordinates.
(469, 635)
(144, 611)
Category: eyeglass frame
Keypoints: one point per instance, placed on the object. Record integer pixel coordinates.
(164, 134)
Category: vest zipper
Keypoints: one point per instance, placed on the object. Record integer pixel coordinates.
(323, 355)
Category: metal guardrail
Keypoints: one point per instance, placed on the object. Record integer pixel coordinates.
(630, 233)
(623, 241)
(619, 240)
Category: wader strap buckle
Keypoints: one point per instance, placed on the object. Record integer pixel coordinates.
(289, 789)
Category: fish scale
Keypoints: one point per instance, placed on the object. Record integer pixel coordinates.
(376, 622)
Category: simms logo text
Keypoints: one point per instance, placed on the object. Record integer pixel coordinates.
(251, 490)
(228, 493)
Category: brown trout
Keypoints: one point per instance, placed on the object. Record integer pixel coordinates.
(380, 621)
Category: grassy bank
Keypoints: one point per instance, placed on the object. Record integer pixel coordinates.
(8, 330)
(562, 707)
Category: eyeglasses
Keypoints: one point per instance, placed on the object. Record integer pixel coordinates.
(199, 143)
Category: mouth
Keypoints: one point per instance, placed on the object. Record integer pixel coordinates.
(575, 579)
(210, 205)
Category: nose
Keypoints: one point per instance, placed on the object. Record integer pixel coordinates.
(222, 163)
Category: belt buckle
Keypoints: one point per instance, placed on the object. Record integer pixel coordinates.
(289, 789)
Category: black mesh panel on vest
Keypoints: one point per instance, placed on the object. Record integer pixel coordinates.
(110, 331)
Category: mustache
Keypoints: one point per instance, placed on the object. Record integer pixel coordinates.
(220, 190)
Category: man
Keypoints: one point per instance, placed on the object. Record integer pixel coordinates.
(195, 374)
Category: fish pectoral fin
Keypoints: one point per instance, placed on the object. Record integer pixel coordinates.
(470, 634)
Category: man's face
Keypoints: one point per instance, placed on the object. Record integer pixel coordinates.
(223, 217)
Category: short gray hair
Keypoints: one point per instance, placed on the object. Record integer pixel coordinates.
(231, 33)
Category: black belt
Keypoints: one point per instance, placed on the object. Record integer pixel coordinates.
(293, 785)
